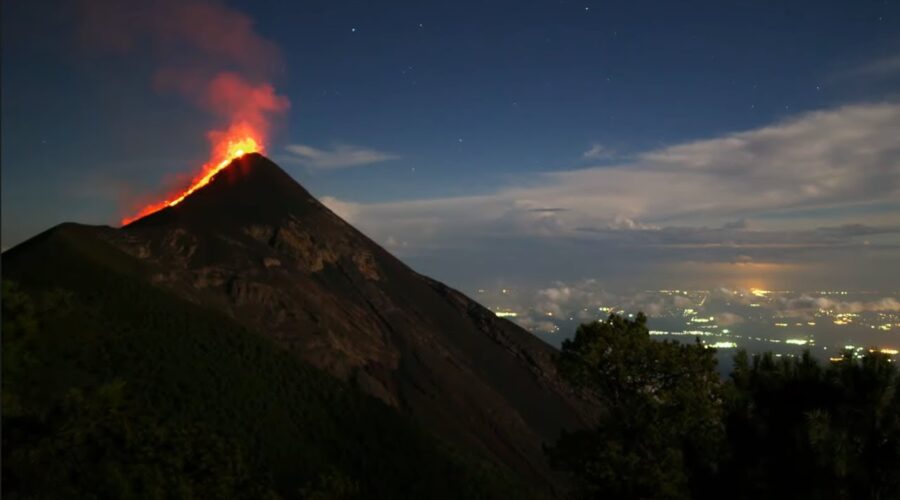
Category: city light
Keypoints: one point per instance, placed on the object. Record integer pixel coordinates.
(763, 325)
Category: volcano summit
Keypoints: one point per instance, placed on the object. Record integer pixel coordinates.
(211, 312)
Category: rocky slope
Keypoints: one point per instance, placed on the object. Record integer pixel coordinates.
(256, 246)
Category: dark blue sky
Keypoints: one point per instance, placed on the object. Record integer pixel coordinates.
(417, 112)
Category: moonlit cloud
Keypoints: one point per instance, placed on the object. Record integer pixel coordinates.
(843, 157)
(598, 152)
(822, 180)
(806, 304)
(878, 68)
(340, 156)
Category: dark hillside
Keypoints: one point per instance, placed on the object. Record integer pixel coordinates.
(115, 388)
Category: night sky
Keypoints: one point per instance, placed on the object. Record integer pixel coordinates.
(641, 144)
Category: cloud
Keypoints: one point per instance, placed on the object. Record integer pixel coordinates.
(168, 30)
(848, 156)
(728, 319)
(598, 152)
(741, 223)
(620, 223)
(340, 156)
(878, 68)
(804, 305)
(729, 236)
(821, 190)
(850, 230)
(548, 210)
(343, 209)
(581, 300)
(578, 300)
(563, 299)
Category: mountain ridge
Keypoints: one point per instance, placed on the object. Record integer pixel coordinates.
(256, 246)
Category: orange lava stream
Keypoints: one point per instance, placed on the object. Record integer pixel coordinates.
(228, 151)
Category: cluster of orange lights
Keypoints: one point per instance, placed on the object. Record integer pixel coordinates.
(224, 153)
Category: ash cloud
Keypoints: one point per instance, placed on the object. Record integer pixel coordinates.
(205, 51)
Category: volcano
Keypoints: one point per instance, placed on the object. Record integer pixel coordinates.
(255, 249)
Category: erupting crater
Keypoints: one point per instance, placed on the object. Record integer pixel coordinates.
(224, 152)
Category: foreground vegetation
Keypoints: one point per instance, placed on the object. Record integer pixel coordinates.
(779, 428)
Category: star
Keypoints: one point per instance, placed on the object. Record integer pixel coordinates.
(353, 30)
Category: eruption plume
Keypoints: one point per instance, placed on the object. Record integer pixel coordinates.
(228, 150)
(248, 109)
(210, 54)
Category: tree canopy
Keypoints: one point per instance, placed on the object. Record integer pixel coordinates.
(778, 428)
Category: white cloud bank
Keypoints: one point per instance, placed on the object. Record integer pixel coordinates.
(848, 156)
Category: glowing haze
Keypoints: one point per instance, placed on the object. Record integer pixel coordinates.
(248, 109)
(228, 151)
(209, 54)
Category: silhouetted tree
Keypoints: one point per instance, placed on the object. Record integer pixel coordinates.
(781, 427)
(661, 424)
(796, 428)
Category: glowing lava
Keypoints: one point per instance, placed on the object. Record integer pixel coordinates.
(224, 152)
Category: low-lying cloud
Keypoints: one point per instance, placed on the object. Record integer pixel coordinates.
(807, 304)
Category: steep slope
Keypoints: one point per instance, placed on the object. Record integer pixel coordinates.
(255, 246)
(114, 388)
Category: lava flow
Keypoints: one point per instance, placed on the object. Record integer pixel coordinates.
(224, 152)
